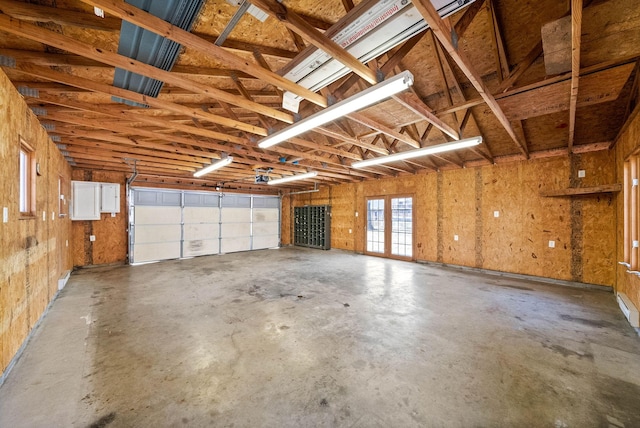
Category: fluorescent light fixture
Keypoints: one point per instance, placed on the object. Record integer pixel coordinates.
(410, 154)
(222, 162)
(369, 96)
(293, 178)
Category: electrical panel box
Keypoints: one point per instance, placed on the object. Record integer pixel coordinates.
(89, 199)
(312, 226)
(110, 197)
(85, 200)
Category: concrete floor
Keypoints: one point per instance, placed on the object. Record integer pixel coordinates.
(298, 337)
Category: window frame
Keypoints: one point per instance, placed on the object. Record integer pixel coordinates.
(26, 180)
(631, 211)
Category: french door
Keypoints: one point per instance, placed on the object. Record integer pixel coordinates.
(390, 226)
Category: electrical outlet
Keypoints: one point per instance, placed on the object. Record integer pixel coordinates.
(496, 214)
(92, 238)
(552, 244)
(53, 215)
(350, 231)
(356, 213)
(44, 215)
(66, 242)
(582, 173)
(5, 214)
(455, 237)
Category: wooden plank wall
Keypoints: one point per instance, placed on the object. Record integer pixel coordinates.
(34, 252)
(111, 241)
(462, 202)
(627, 143)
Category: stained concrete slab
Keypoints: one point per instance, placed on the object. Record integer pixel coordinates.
(298, 337)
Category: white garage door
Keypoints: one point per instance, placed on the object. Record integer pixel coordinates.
(168, 224)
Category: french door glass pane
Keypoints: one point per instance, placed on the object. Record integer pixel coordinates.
(401, 226)
(375, 226)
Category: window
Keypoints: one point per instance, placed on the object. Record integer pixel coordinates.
(27, 180)
(631, 210)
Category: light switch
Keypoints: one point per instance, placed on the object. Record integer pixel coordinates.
(552, 244)
(44, 215)
(455, 237)
(53, 215)
(92, 238)
(496, 214)
(5, 214)
(582, 173)
(356, 213)
(350, 231)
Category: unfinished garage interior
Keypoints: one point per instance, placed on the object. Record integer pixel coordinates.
(342, 213)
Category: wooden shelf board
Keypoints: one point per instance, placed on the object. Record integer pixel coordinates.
(579, 191)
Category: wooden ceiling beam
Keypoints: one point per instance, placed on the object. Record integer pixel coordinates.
(140, 155)
(50, 38)
(443, 76)
(67, 79)
(502, 63)
(467, 17)
(413, 102)
(444, 33)
(82, 142)
(485, 149)
(61, 16)
(576, 32)
(131, 115)
(348, 5)
(158, 26)
(584, 72)
(131, 131)
(520, 68)
(355, 141)
(40, 13)
(62, 60)
(363, 120)
(121, 166)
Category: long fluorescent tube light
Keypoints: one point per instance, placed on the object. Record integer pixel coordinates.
(409, 154)
(222, 162)
(398, 83)
(293, 178)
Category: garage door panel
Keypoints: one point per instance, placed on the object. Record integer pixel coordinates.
(235, 215)
(265, 214)
(157, 215)
(157, 233)
(235, 230)
(201, 247)
(158, 251)
(267, 241)
(231, 245)
(194, 232)
(201, 215)
(261, 229)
